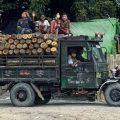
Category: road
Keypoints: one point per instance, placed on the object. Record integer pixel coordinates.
(59, 110)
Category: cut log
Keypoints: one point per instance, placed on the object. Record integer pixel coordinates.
(34, 40)
(28, 41)
(16, 51)
(25, 36)
(39, 50)
(40, 40)
(11, 52)
(31, 46)
(48, 50)
(34, 52)
(19, 36)
(25, 46)
(46, 36)
(12, 47)
(1, 52)
(28, 52)
(49, 42)
(22, 41)
(22, 51)
(53, 50)
(36, 45)
(7, 45)
(10, 41)
(43, 45)
(5, 52)
(29, 36)
(19, 46)
(54, 43)
(2, 45)
(16, 42)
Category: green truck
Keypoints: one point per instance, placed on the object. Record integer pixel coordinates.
(35, 79)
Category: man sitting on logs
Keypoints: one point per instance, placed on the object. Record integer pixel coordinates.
(42, 25)
(23, 24)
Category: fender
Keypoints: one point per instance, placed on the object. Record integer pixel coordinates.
(110, 81)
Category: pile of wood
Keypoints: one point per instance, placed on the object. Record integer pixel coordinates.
(27, 44)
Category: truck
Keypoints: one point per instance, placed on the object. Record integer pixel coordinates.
(35, 79)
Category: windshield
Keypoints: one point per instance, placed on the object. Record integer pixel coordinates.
(97, 53)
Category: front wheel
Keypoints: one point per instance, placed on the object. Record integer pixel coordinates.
(22, 95)
(112, 94)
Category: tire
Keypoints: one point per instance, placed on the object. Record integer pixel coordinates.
(112, 94)
(47, 97)
(22, 95)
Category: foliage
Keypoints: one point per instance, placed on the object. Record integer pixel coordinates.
(38, 6)
(92, 9)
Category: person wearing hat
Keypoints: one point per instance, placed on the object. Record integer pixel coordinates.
(42, 25)
(24, 23)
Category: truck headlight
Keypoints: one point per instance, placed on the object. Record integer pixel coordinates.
(113, 72)
(98, 75)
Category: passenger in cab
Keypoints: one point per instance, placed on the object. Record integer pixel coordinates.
(24, 24)
(55, 24)
(72, 59)
(42, 25)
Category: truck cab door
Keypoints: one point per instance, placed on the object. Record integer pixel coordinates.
(81, 76)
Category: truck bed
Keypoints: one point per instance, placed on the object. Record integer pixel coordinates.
(36, 68)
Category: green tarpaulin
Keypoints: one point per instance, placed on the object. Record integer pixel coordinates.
(108, 26)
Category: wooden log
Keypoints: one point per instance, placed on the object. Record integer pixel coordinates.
(7, 45)
(29, 36)
(54, 50)
(34, 52)
(28, 51)
(48, 50)
(22, 51)
(13, 36)
(2, 45)
(25, 36)
(11, 52)
(54, 44)
(5, 52)
(16, 42)
(19, 46)
(43, 45)
(28, 41)
(34, 40)
(16, 51)
(22, 41)
(49, 42)
(19, 36)
(46, 36)
(12, 47)
(40, 40)
(39, 50)
(25, 46)
(10, 41)
(31, 46)
(36, 45)
(1, 52)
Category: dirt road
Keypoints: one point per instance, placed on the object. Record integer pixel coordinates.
(59, 110)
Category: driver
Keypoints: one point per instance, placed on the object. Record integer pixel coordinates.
(72, 59)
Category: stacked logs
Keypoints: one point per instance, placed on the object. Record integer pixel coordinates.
(27, 44)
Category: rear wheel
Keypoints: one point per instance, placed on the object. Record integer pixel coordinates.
(47, 97)
(22, 95)
(112, 94)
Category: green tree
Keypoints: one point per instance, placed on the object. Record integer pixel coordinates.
(93, 9)
(39, 6)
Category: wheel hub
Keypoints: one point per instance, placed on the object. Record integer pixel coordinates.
(21, 96)
(115, 95)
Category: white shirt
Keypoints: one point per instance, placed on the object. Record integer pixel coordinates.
(45, 23)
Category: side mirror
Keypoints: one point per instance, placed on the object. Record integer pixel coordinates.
(105, 53)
